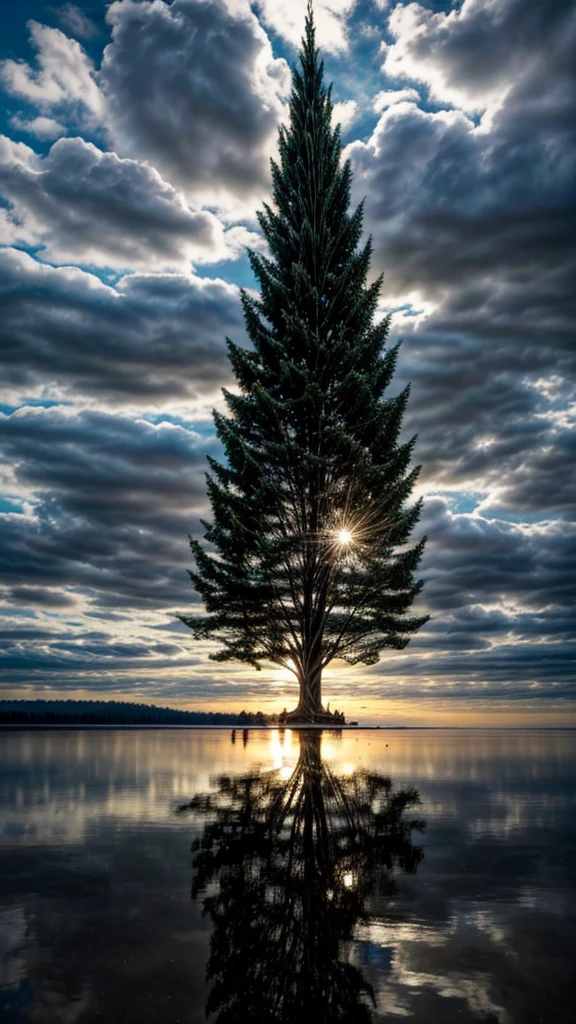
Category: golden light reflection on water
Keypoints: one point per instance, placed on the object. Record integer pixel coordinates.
(76, 777)
(281, 752)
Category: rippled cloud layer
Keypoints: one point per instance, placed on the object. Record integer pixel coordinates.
(133, 157)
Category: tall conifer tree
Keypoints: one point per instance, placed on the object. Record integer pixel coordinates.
(306, 558)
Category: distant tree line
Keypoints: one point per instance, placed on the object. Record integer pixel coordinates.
(100, 712)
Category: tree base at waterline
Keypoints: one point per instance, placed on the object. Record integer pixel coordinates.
(302, 717)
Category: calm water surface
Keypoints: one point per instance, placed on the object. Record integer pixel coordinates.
(317, 887)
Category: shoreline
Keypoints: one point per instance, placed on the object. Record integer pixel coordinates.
(20, 727)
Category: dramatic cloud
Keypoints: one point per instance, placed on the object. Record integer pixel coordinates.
(110, 502)
(63, 79)
(472, 55)
(152, 338)
(463, 126)
(80, 204)
(474, 225)
(451, 206)
(513, 563)
(193, 87)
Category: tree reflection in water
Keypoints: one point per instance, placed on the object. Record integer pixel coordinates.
(285, 868)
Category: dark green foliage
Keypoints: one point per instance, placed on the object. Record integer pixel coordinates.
(286, 870)
(311, 442)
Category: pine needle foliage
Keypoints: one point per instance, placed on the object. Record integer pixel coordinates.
(306, 557)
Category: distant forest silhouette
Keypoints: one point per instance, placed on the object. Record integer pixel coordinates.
(114, 712)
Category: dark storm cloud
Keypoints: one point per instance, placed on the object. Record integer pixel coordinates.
(83, 652)
(472, 52)
(435, 181)
(113, 500)
(193, 87)
(106, 666)
(477, 223)
(480, 222)
(483, 214)
(491, 582)
(152, 338)
(519, 672)
(38, 596)
(80, 204)
(474, 223)
(487, 424)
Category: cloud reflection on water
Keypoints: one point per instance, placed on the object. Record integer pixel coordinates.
(95, 912)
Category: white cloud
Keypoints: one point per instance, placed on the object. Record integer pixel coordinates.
(474, 54)
(344, 113)
(428, 48)
(194, 88)
(64, 75)
(389, 97)
(287, 18)
(82, 204)
(41, 127)
(191, 87)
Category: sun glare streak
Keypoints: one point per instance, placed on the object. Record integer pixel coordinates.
(356, 524)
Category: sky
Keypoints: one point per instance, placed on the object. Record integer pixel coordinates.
(134, 153)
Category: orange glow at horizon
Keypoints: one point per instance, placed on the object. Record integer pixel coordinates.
(428, 712)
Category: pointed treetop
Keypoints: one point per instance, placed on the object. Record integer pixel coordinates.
(308, 50)
(310, 28)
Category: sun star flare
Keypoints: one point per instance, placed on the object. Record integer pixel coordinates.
(344, 537)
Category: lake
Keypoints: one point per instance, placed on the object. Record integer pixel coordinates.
(260, 876)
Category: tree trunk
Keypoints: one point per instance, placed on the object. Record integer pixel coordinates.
(310, 698)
